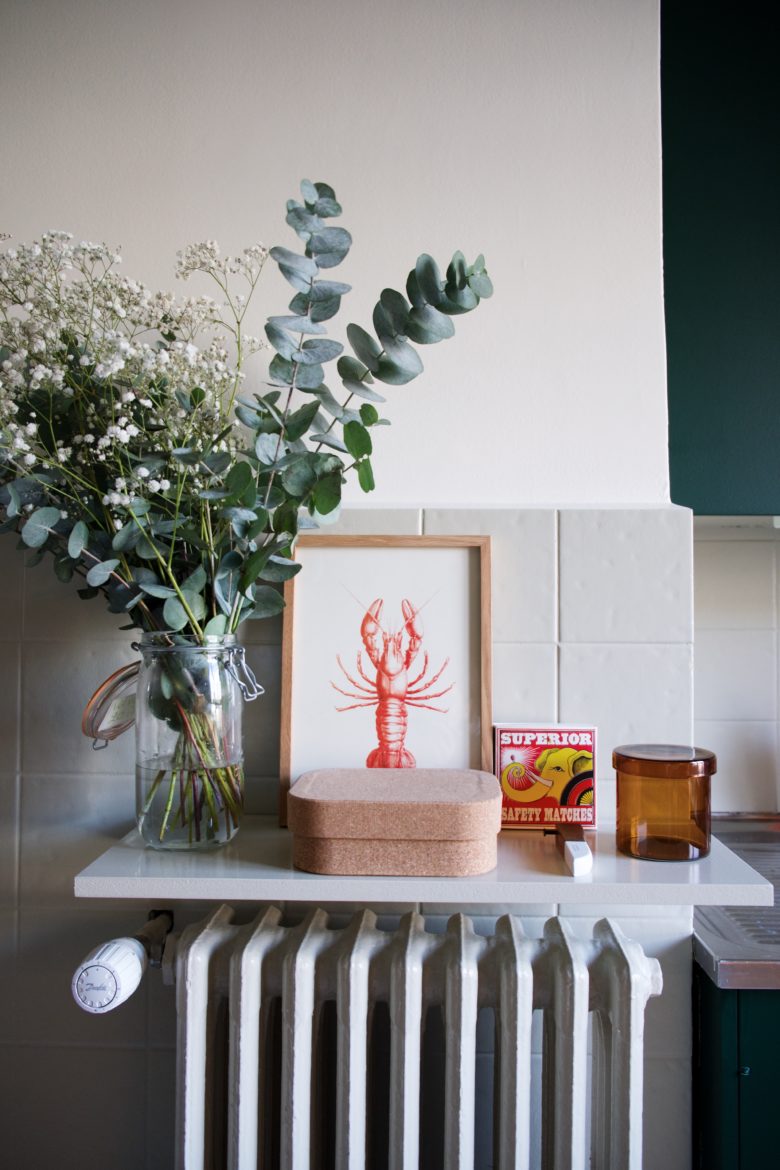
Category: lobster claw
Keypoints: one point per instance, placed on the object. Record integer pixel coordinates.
(412, 619)
(370, 623)
(372, 633)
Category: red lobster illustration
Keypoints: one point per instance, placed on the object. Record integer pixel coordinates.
(391, 691)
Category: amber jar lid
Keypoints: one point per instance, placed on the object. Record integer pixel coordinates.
(663, 761)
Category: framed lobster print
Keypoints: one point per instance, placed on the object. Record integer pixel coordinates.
(386, 655)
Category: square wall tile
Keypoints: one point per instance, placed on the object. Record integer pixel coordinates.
(524, 568)
(748, 775)
(10, 657)
(11, 587)
(54, 612)
(261, 717)
(58, 1113)
(632, 694)
(9, 838)
(373, 522)
(524, 682)
(51, 945)
(58, 679)
(736, 675)
(734, 585)
(66, 822)
(626, 575)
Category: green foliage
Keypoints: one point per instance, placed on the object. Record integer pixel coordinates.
(188, 523)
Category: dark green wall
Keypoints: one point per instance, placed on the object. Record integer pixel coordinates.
(720, 83)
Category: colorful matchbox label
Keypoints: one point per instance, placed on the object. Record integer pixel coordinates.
(546, 775)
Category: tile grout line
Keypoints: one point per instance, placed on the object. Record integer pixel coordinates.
(557, 630)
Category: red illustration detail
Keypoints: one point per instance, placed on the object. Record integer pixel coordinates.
(391, 690)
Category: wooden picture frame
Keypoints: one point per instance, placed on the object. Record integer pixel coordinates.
(435, 594)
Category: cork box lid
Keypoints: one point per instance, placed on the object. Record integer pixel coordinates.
(411, 804)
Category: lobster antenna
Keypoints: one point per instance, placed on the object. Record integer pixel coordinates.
(363, 607)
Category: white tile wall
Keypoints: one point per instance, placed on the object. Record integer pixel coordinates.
(609, 644)
(737, 696)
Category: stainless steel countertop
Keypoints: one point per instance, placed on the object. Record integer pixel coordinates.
(739, 946)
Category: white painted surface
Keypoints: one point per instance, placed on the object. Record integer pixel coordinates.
(559, 975)
(258, 867)
(528, 131)
(737, 691)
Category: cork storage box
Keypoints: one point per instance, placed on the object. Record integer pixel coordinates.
(410, 822)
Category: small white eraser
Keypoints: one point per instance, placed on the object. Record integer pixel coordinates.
(578, 857)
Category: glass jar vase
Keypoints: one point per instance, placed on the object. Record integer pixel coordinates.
(189, 754)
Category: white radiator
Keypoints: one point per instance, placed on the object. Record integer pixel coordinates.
(252, 1003)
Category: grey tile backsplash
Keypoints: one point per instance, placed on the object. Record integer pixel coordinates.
(591, 624)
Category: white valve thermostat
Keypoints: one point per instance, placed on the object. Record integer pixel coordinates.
(109, 975)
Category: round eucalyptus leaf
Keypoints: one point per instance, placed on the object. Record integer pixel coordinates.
(77, 541)
(282, 341)
(457, 272)
(394, 375)
(459, 301)
(350, 367)
(315, 352)
(299, 478)
(309, 191)
(175, 614)
(217, 626)
(267, 448)
(296, 324)
(327, 494)
(196, 603)
(39, 524)
(396, 308)
(279, 569)
(324, 310)
(364, 345)
(362, 390)
(428, 279)
(481, 284)
(303, 265)
(63, 568)
(197, 579)
(303, 222)
(323, 290)
(329, 247)
(427, 325)
(99, 574)
(155, 589)
(309, 377)
(186, 455)
(401, 354)
(328, 439)
(327, 208)
(13, 507)
(267, 601)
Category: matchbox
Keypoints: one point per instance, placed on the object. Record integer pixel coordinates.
(546, 773)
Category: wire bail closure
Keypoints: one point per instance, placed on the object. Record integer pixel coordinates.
(238, 666)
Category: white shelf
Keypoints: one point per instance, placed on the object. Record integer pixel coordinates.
(257, 867)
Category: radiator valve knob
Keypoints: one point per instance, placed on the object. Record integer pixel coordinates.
(109, 975)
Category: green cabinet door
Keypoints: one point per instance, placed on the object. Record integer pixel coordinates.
(720, 88)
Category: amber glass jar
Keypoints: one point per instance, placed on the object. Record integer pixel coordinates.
(663, 801)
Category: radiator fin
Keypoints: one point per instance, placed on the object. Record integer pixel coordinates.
(323, 981)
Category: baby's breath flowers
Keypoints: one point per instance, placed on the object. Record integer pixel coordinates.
(129, 449)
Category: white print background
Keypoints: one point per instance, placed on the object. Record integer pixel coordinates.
(327, 620)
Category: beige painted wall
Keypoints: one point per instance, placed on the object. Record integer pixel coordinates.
(525, 129)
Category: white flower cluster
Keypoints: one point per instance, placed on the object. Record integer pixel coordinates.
(101, 379)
